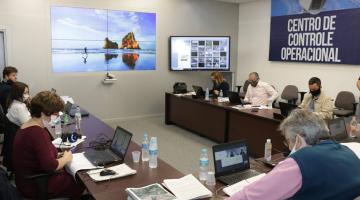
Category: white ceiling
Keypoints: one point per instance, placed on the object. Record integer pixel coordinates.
(236, 1)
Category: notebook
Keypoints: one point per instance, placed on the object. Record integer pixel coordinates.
(121, 170)
(232, 189)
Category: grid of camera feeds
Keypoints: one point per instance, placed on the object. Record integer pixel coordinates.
(209, 54)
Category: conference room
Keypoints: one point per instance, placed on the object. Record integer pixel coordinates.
(179, 99)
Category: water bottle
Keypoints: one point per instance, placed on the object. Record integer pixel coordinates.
(204, 165)
(58, 127)
(268, 148)
(78, 121)
(207, 94)
(145, 148)
(221, 94)
(353, 127)
(270, 103)
(153, 151)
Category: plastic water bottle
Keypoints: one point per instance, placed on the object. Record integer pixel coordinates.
(353, 127)
(153, 151)
(207, 94)
(58, 127)
(221, 94)
(268, 148)
(270, 103)
(145, 148)
(204, 165)
(78, 120)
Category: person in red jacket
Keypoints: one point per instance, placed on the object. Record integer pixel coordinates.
(34, 153)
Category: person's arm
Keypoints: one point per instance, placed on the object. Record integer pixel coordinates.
(271, 92)
(247, 95)
(305, 101)
(66, 158)
(283, 182)
(358, 84)
(327, 107)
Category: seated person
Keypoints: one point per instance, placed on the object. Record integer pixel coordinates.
(315, 169)
(9, 77)
(316, 101)
(259, 93)
(219, 83)
(18, 112)
(34, 153)
(358, 105)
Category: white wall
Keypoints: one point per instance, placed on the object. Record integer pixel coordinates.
(254, 38)
(136, 93)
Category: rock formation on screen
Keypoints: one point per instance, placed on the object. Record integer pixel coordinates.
(110, 44)
(129, 42)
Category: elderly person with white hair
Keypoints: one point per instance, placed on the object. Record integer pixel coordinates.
(315, 169)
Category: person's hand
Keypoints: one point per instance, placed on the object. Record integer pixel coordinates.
(216, 92)
(67, 156)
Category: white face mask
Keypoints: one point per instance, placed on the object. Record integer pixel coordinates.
(26, 97)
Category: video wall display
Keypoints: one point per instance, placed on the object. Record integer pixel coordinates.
(199, 53)
(85, 40)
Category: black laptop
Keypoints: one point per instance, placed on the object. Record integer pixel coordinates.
(337, 129)
(286, 108)
(200, 93)
(234, 98)
(231, 162)
(115, 153)
(70, 109)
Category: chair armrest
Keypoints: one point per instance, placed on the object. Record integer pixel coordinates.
(302, 94)
(41, 181)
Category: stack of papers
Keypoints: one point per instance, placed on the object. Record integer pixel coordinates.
(59, 144)
(353, 146)
(185, 94)
(187, 187)
(79, 162)
(232, 189)
(121, 171)
(150, 192)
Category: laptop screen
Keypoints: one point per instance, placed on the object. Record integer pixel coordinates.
(120, 142)
(230, 158)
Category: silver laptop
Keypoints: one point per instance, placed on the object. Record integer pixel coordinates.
(231, 162)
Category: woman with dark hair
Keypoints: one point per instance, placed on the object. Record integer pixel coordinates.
(34, 153)
(18, 112)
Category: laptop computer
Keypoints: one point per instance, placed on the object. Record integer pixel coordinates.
(115, 153)
(70, 109)
(200, 93)
(286, 108)
(337, 129)
(231, 162)
(234, 98)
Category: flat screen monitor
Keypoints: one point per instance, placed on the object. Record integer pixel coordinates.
(197, 53)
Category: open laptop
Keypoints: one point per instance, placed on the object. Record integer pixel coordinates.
(200, 93)
(234, 98)
(337, 129)
(231, 162)
(70, 109)
(286, 108)
(115, 153)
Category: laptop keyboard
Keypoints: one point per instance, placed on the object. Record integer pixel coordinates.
(234, 178)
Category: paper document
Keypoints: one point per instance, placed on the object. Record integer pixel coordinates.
(185, 94)
(149, 192)
(234, 188)
(79, 162)
(121, 171)
(223, 99)
(67, 99)
(59, 144)
(187, 187)
(353, 146)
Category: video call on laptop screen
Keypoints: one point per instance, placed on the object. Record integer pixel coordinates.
(231, 159)
(120, 142)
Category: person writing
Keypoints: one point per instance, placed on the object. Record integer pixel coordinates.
(219, 84)
(315, 169)
(18, 112)
(34, 153)
(259, 93)
(316, 101)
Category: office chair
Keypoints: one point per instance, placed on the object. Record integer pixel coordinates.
(344, 104)
(290, 94)
(244, 87)
(9, 136)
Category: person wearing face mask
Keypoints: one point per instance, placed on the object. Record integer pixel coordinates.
(219, 84)
(315, 170)
(316, 101)
(9, 77)
(18, 112)
(34, 153)
(259, 93)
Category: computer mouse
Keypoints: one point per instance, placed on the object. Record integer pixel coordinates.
(107, 172)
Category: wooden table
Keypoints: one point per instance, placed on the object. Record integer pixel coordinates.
(222, 123)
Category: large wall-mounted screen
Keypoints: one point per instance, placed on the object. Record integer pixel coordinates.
(200, 53)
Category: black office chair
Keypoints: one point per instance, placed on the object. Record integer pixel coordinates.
(41, 181)
(7, 190)
(290, 94)
(244, 87)
(9, 136)
(344, 104)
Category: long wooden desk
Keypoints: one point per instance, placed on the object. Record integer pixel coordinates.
(222, 123)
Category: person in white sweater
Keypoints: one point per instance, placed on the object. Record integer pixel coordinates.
(18, 112)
